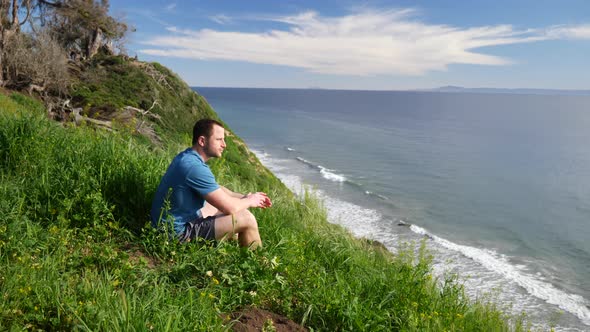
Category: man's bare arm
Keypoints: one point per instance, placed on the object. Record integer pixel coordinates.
(229, 204)
(231, 193)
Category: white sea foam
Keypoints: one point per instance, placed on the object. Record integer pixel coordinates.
(367, 192)
(329, 175)
(492, 261)
(326, 173)
(290, 149)
(358, 220)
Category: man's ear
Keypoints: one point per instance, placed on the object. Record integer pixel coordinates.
(201, 141)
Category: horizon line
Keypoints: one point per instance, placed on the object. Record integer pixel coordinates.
(441, 89)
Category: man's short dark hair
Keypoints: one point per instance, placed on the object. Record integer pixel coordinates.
(204, 127)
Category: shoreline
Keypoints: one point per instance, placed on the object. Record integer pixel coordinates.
(491, 272)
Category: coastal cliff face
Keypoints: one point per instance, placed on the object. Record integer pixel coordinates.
(77, 252)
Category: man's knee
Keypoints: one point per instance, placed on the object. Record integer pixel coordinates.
(247, 219)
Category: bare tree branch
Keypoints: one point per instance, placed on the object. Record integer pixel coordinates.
(15, 14)
(57, 4)
(28, 6)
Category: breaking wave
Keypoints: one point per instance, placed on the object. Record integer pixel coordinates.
(326, 173)
(493, 261)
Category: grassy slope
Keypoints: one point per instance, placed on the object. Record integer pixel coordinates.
(110, 82)
(73, 254)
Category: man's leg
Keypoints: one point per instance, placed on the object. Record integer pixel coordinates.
(242, 224)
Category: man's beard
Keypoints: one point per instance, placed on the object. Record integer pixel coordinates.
(211, 153)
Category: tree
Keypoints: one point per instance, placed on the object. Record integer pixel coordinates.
(10, 24)
(36, 57)
(81, 26)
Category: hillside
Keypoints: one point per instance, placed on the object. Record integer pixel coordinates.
(77, 253)
(107, 87)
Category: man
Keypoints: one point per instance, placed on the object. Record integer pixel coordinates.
(189, 196)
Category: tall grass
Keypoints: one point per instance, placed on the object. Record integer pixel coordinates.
(76, 254)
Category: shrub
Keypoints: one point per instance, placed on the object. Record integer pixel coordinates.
(36, 60)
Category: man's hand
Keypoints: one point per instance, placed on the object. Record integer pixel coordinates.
(259, 200)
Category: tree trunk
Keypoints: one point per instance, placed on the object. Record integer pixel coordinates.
(4, 6)
(7, 30)
(5, 35)
(94, 43)
(15, 25)
(2, 83)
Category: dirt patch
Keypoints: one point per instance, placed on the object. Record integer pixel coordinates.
(137, 257)
(253, 320)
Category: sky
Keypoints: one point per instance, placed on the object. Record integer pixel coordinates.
(365, 45)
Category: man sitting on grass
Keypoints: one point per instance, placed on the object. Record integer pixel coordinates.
(200, 208)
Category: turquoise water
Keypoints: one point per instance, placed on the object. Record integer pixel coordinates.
(498, 184)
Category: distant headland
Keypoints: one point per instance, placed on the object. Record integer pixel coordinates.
(452, 88)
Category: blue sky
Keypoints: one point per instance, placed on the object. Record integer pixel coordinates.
(373, 45)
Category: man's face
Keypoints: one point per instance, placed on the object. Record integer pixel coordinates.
(215, 144)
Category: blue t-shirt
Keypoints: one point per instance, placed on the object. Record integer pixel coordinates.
(186, 182)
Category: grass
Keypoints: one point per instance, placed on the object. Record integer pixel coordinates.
(76, 252)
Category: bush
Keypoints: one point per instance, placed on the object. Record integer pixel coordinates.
(36, 60)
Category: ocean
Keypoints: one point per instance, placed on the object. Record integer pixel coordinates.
(498, 185)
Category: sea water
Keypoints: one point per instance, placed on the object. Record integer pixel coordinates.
(498, 185)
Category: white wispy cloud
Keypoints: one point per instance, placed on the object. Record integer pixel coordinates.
(364, 43)
(171, 7)
(569, 32)
(147, 14)
(221, 19)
